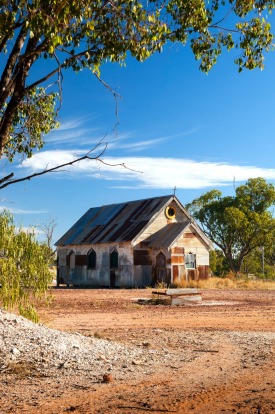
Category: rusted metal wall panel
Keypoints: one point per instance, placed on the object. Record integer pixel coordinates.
(175, 272)
(177, 250)
(100, 276)
(142, 257)
(203, 272)
(192, 274)
(177, 259)
(62, 275)
(189, 235)
(142, 276)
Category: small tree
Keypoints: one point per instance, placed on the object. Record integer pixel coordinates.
(47, 229)
(260, 262)
(24, 273)
(239, 224)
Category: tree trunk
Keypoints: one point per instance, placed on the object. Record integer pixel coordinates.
(235, 265)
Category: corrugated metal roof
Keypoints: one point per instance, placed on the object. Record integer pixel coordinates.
(167, 235)
(113, 223)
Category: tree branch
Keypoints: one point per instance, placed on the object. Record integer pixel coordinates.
(8, 77)
(6, 181)
(8, 177)
(58, 69)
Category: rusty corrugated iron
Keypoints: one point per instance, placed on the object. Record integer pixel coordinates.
(113, 223)
(167, 235)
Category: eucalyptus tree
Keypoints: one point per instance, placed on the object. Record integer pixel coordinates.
(238, 224)
(24, 271)
(84, 34)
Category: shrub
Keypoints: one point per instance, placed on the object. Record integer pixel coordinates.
(24, 272)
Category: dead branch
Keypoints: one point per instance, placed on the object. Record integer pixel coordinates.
(8, 177)
(6, 181)
(110, 89)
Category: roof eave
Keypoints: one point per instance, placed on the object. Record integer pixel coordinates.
(207, 241)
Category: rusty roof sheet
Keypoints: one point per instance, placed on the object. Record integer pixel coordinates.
(167, 235)
(113, 223)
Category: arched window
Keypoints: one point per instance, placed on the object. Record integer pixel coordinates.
(72, 260)
(114, 259)
(91, 259)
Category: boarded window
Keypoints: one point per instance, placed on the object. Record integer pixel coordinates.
(91, 259)
(142, 258)
(114, 259)
(80, 260)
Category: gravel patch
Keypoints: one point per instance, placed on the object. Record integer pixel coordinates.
(51, 352)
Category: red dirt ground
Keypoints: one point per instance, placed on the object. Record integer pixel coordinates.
(229, 342)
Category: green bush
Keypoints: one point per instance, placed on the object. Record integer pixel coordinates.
(24, 272)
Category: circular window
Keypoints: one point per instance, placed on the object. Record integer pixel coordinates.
(170, 212)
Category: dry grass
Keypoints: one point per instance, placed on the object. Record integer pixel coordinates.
(99, 335)
(228, 283)
(21, 369)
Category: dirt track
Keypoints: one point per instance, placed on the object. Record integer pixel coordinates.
(223, 355)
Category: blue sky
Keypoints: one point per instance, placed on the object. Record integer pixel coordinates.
(177, 127)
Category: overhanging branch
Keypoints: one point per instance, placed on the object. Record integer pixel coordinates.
(9, 180)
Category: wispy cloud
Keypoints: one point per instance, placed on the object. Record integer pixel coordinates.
(15, 210)
(146, 172)
(68, 135)
(131, 143)
(190, 131)
(78, 132)
(142, 145)
(74, 131)
(74, 123)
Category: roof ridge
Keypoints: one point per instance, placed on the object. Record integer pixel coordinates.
(135, 201)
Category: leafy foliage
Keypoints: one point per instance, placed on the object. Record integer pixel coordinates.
(82, 34)
(218, 263)
(239, 224)
(24, 273)
(261, 262)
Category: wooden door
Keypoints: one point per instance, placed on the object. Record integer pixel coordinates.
(161, 268)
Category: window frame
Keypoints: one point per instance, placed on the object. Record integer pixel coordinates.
(114, 259)
(190, 264)
(91, 259)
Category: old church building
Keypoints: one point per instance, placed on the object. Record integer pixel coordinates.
(133, 244)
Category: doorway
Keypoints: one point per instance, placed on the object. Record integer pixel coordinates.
(113, 267)
(161, 268)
